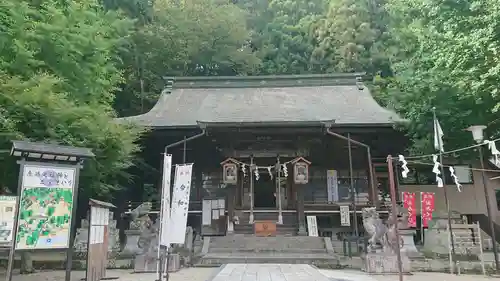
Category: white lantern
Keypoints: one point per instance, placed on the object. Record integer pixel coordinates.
(477, 132)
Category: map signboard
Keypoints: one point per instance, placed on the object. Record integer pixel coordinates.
(7, 214)
(46, 205)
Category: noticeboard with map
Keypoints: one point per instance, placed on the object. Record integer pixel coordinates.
(46, 207)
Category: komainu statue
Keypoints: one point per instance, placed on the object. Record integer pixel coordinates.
(381, 235)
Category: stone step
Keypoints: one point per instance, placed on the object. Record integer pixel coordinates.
(276, 243)
(283, 258)
(266, 251)
(269, 216)
(281, 229)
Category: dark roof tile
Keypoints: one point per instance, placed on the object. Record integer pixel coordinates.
(268, 99)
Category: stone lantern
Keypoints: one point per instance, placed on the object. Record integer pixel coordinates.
(301, 170)
(229, 171)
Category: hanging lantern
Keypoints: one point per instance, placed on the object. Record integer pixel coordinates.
(301, 170)
(230, 171)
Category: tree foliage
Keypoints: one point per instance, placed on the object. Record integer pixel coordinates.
(58, 73)
(196, 37)
(69, 67)
(448, 59)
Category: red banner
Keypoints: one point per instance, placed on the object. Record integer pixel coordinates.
(427, 207)
(409, 203)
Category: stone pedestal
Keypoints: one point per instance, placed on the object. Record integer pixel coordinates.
(144, 264)
(131, 242)
(80, 243)
(82, 236)
(409, 247)
(381, 263)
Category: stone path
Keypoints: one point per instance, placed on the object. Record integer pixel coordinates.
(207, 274)
(186, 274)
(269, 272)
(351, 275)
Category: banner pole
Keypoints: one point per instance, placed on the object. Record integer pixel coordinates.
(421, 219)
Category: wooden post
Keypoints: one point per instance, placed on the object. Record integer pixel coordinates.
(300, 210)
(394, 218)
(97, 255)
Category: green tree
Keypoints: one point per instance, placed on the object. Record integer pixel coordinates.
(353, 37)
(58, 75)
(448, 59)
(196, 37)
(282, 34)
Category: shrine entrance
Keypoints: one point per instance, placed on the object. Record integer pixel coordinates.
(265, 193)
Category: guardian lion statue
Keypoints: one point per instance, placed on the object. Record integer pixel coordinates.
(380, 233)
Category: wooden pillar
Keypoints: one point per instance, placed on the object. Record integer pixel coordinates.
(292, 192)
(198, 183)
(231, 192)
(300, 209)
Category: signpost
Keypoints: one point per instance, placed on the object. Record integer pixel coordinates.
(97, 256)
(7, 213)
(345, 219)
(47, 188)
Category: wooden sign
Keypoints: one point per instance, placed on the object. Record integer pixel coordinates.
(97, 256)
(345, 217)
(312, 226)
(265, 228)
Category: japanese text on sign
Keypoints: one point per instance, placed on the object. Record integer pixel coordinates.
(409, 204)
(427, 207)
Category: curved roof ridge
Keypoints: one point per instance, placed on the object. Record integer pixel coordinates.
(287, 99)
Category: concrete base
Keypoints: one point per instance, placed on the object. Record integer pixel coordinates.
(409, 247)
(380, 263)
(143, 263)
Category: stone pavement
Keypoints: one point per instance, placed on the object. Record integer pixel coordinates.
(352, 275)
(269, 272)
(186, 274)
(207, 274)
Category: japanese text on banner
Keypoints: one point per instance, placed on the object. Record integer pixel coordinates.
(409, 203)
(427, 207)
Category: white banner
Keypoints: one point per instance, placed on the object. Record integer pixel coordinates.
(332, 185)
(345, 218)
(312, 226)
(165, 202)
(180, 203)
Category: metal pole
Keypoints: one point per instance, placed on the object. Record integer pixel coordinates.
(278, 183)
(158, 254)
(184, 151)
(370, 164)
(69, 251)
(421, 220)
(447, 202)
(169, 248)
(373, 186)
(394, 218)
(10, 265)
(251, 190)
(351, 181)
(488, 209)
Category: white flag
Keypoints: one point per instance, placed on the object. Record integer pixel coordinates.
(180, 203)
(165, 202)
(438, 136)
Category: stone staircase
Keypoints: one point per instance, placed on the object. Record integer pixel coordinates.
(245, 248)
(289, 226)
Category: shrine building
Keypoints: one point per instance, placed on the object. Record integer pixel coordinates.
(278, 148)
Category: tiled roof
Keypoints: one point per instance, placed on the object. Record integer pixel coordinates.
(54, 149)
(260, 99)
